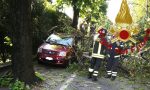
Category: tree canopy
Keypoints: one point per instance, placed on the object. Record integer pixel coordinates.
(90, 10)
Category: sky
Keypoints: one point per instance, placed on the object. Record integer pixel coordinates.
(113, 9)
(68, 10)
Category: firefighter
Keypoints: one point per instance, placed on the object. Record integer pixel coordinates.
(114, 55)
(97, 54)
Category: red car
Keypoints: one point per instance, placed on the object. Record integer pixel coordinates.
(57, 50)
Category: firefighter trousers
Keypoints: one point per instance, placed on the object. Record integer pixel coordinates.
(95, 65)
(111, 66)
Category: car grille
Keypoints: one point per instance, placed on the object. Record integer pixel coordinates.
(50, 52)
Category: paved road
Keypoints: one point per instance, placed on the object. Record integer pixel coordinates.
(57, 78)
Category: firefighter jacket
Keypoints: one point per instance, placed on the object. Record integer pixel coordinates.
(99, 50)
(115, 51)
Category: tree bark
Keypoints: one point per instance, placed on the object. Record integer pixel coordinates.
(22, 65)
(75, 14)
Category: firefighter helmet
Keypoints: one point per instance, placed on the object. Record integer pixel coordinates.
(102, 32)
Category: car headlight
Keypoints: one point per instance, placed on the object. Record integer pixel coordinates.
(62, 53)
(39, 50)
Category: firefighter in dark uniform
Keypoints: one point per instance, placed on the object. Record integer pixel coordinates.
(114, 55)
(97, 54)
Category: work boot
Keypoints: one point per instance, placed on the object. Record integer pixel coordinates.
(113, 78)
(107, 76)
(94, 78)
(90, 75)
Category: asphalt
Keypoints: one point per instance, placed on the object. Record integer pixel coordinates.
(58, 78)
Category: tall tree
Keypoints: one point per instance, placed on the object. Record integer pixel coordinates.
(22, 42)
(84, 8)
(76, 14)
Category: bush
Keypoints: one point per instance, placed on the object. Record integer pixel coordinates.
(5, 79)
(139, 69)
(17, 85)
(46, 20)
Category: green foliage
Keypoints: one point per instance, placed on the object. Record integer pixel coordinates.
(64, 24)
(39, 76)
(83, 63)
(43, 15)
(46, 17)
(4, 12)
(47, 20)
(8, 41)
(139, 69)
(17, 85)
(5, 48)
(148, 43)
(138, 9)
(73, 67)
(96, 11)
(91, 10)
(4, 30)
(5, 79)
(4, 17)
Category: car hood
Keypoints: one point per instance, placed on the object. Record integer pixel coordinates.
(53, 47)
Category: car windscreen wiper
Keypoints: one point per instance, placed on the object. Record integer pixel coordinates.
(55, 43)
(51, 42)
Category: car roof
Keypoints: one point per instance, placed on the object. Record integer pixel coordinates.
(63, 35)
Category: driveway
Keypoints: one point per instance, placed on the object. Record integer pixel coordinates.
(58, 78)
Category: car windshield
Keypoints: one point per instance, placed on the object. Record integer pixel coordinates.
(55, 39)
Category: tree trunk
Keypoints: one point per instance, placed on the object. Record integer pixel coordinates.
(75, 18)
(76, 14)
(22, 65)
